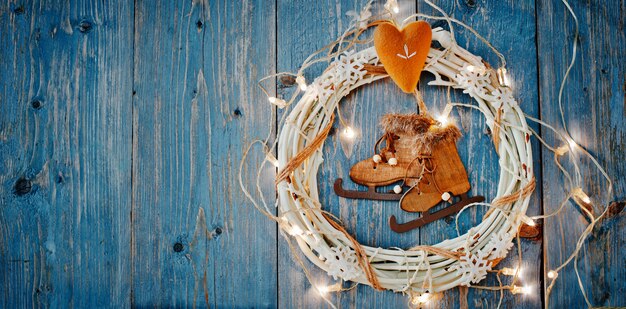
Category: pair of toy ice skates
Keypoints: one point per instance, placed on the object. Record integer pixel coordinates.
(420, 155)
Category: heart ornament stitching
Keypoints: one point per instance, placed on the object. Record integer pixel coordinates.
(403, 52)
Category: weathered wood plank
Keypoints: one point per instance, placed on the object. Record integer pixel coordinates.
(65, 153)
(196, 240)
(594, 111)
(239, 49)
(510, 27)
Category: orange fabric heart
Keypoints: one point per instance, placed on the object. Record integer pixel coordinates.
(403, 52)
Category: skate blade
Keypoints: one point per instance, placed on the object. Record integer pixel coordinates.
(370, 194)
(430, 217)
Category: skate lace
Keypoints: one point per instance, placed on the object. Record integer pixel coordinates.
(389, 138)
(424, 161)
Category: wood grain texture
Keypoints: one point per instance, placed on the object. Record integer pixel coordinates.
(510, 27)
(595, 110)
(65, 154)
(196, 240)
(122, 126)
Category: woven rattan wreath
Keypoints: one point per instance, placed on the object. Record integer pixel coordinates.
(460, 261)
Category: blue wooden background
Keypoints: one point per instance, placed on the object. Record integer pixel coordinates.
(123, 123)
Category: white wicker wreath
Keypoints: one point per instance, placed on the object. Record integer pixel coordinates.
(419, 269)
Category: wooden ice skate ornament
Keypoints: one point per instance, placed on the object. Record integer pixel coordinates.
(421, 156)
(403, 52)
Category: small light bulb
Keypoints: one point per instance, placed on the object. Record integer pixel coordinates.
(424, 298)
(586, 198)
(552, 274)
(561, 150)
(421, 299)
(471, 68)
(296, 231)
(509, 271)
(392, 6)
(323, 290)
(442, 120)
(503, 78)
(572, 143)
(271, 159)
(301, 82)
(280, 103)
(582, 199)
(521, 290)
(528, 221)
(444, 117)
(349, 133)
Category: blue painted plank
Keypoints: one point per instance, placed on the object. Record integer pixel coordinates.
(195, 111)
(594, 108)
(304, 27)
(239, 49)
(510, 27)
(65, 154)
(171, 263)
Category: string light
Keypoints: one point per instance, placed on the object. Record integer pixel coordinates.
(421, 299)
(442, 120)
(582, 199)
(512, 271)
(271, 159)
(295, 231)
(521, 290)
(552, 274)
(444, 117)
(392, 6)
(324, 289)
(280, 103)
(578, 192)
(528, 221)
(572, 143)
(561, 150)
(349, 133)
(301, 82)
(503, 77)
